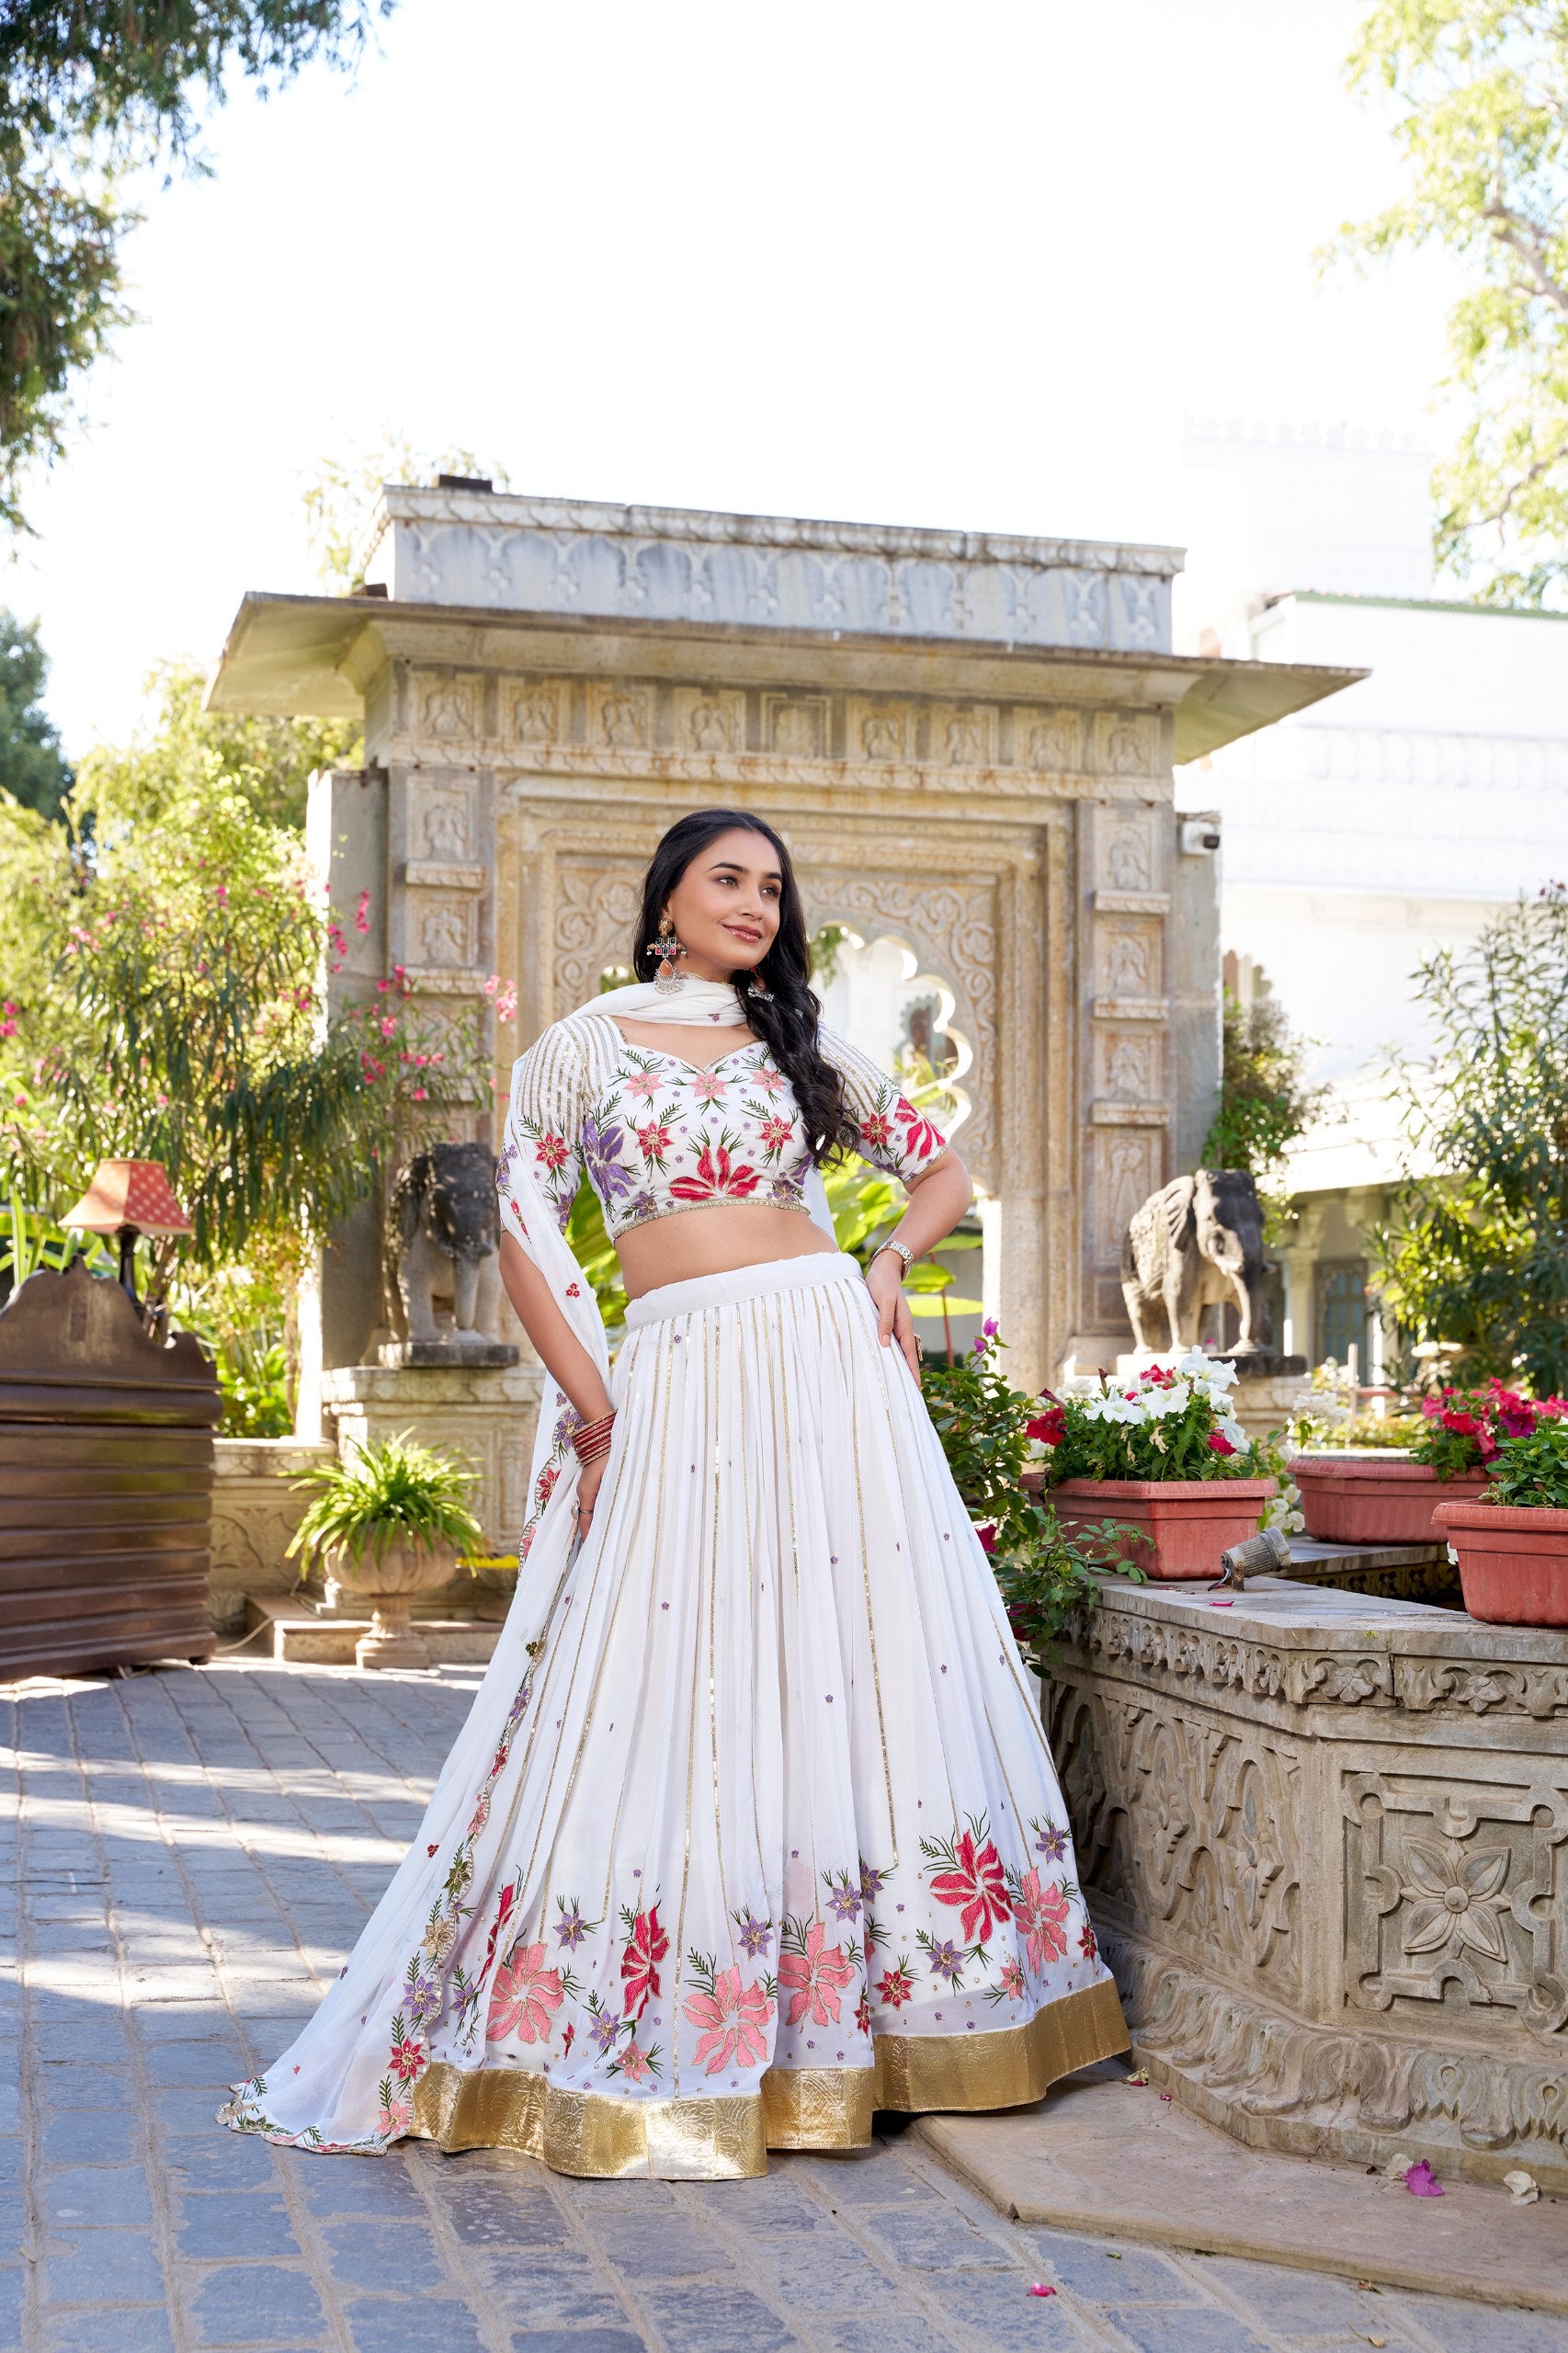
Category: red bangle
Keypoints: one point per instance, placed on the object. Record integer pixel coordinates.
(593, 1440)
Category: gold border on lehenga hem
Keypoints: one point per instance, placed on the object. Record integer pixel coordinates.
(727, 2138)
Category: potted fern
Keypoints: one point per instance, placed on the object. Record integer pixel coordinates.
(1512, 1542)
(392, 1521)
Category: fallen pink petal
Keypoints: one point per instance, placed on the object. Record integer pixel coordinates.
(1039, 2289)
(1422, 2182)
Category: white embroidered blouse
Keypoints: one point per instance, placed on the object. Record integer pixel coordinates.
(658, 1135)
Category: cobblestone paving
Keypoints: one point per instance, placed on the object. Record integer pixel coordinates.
(191, 1856)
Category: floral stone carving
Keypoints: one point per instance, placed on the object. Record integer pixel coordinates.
(1326, 1849)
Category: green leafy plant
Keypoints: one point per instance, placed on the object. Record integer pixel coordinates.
(33, 768)
(1476, 1255)
(1265, 1100)
(990, 1434)
(1169, 1422)
(1531, 1468)
(386, 1496)
(1479, 89)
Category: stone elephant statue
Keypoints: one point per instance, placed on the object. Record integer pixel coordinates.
(444, 1237)
(1197, 1244)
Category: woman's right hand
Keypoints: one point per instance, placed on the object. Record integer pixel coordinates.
(588, 1483)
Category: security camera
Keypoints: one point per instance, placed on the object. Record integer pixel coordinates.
(1199, 837)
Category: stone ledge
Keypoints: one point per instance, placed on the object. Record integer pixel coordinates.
(1103, 2156)
(302, 1638)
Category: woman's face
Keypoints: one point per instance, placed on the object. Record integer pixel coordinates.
(726, 906)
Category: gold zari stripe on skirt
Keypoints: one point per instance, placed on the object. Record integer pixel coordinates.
(807, 2108)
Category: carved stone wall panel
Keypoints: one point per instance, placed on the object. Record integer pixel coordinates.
(1049, 741)
(1458, 1892)
(1128, 957)
(796, 726)
(880, 730)
(1127, 1167)
(441, 818)
(961, 736)
(1125, 857)
(1126, 743)
(620, 715)
(1191, 1826)
(445, 926)
(1328, 1848)
(710, 719)
(535, 716)
(1129, 1065)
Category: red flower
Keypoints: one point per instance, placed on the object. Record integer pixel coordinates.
(976, 1883)
(645, 1948)
(508, 1896)
(1464, 1424)
(407, 2061)
(774, 1133)
(716, 1174)
(653, 1140)
(876, 1129)
(895, 1987)
(553, 1151)
(863, 2014)
(921, 1139)
(1050, 1428)
(987, 1536)
(1219, 1443)
(1087, 1945)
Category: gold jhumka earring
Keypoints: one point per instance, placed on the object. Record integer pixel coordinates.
(666, 947)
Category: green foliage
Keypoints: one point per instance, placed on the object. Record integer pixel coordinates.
(29, 1241)
(88, 94)
(33, 770)
(1265, 1101)
(1532, 1469)
(989, 1432)
(596, 1253)
(187, 751)
(241, 1313)
(1480, 93)
(1380, 1432)
(165, 974)
(384, 1497)
(1476, 1255)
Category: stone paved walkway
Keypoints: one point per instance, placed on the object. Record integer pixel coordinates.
(190, 1857)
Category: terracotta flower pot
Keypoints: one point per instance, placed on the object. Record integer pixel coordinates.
(1513, 1561)
(1184, 1524)
(389, 1584)
(1376, 1498)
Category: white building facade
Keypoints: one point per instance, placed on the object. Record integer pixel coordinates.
(1360, 836)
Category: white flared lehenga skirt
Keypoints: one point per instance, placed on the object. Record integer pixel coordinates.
(752, 1828)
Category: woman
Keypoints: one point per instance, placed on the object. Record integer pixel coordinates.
(753, 1827)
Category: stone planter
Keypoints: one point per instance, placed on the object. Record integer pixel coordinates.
(1376, 1498)
(1184, 1524)
(403, 1573)
(1322, 1838)
(1513, 1561)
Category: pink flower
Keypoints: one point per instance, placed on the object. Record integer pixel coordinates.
(645, 1948)
(634, 2064)
(526, 1998)
(1012, 1981)
(707, 1086)
(733, 2023)
(814, 1977)
(362, 913)
(507, 1005)
(645, 1086)
(975, 1883)
(1042, 1915)
(221, 894)
(388, 1026)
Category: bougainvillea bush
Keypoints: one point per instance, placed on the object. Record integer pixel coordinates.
(1465, 1427)
(1168, 1422)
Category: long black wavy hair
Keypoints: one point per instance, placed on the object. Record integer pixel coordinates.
(788, 1015)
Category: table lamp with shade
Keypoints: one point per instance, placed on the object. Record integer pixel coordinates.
(128, 1198)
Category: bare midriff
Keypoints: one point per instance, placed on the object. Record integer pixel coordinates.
(715, 1241)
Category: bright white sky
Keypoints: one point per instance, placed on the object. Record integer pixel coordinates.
(889, 261)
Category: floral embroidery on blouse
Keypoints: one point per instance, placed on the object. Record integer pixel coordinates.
(655, 1135)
